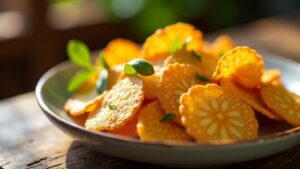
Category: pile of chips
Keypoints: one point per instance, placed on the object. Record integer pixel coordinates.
(198, 92)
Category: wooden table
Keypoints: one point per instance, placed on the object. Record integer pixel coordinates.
(28, 140)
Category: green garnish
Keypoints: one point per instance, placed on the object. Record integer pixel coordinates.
(175, 45)
(197, 55)
(139, 66)
(168, 117)
(112, 107)
(129, 70)
(186, 42)
(102, 61)
(202, 78)
(79, 78)
(102, 81)
(79, 54)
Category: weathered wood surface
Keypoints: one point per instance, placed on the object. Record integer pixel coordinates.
(28, 140)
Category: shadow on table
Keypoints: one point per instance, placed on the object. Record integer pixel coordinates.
(79, 156)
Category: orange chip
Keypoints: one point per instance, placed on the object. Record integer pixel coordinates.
(284, 103)
(129, 129)
(207, 64)
(80, 119)
(85, 99)
(150, 128)
(83, 103)
(158, 45)
(250, 97)
(221, 45)
(243, 65)
(212, 113)
(176, 80)
(114, 75)
(271, 76)
(119, 105)
(120, 51)
(150, 86)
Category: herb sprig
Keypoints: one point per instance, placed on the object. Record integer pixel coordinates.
(80, 54)
(168, 117)
(139, 66)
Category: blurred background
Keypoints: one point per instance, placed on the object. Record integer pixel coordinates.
(33, 33)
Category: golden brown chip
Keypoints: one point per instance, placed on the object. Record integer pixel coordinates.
(221, 45)
(120, 51)
(129, 129)
(150, 128)
(250, 97)
(241, 64)
(176, 80)
(271, 76)
(159, 44)
(284, 103)
(151, 84)
(119, 105)
(212, 113)
(204, 61)
(85, 99)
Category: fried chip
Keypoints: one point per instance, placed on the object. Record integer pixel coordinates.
(284, 103)
(176, 79)
(150, 128)
(158, 45)
(85, 99)
(271, 76)
(80, 119)
(114, 75)
(250, 97)
(129, 129)
(151, 84)
(120, 51)
(243, 65)
(119, 105)
(207, 63)
(221, 45)
(212, 113)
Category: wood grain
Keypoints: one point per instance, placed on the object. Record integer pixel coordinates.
(28, 140)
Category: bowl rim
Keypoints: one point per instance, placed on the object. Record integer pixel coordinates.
(261, 139)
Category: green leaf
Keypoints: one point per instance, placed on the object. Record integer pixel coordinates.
(142, 67)
(78, 79)
(129, 69)
(186, 42)
(202, 78)
(175, 45)
(112, 107)
(102, 61)
(168, 117)
(79, 53)
(102, 81)
(197, 55)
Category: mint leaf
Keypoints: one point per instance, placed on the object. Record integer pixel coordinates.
(197, 55)
(129, 69)
(78, 79)
(175, 45)
(112, 107)
(168, 117)
(186, 42)
(102, 61)
(202, 78)
(102, 81)
(142, 67)
(79, 53)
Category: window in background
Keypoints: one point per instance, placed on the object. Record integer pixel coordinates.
(12, 18)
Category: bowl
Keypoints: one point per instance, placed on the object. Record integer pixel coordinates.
(273, 138)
